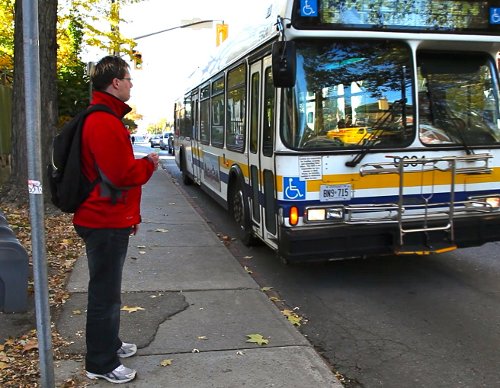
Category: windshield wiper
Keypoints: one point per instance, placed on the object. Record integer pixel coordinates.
(378, 129)
(448, 118)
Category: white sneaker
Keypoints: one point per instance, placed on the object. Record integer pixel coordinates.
(121, 374)
(127, 350)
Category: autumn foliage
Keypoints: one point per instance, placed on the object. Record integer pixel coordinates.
(19, 359)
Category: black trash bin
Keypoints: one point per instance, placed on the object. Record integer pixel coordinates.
(14, 268)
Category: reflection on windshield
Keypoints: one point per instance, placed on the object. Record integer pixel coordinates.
(349, 95)
(458, 100)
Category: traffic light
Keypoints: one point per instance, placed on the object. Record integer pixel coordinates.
(222, 30)
(137, 57)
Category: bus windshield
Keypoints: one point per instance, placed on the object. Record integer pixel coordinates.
(349, 94)
(458, 99)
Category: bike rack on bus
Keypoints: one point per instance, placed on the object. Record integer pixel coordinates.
(467, 164)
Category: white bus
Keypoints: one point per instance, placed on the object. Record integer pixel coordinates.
(342, 128)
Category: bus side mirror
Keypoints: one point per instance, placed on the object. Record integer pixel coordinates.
(284, 63)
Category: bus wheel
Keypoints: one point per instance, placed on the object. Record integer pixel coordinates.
(240, 213)
(185, 177)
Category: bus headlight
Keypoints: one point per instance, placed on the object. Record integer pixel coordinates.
(316, 214)
(494, 202)
(484, 203)
(324, 214)
(336, 213)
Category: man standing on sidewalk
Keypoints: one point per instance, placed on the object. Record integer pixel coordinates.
(109, 216)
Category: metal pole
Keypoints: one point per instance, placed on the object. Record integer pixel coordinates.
(31, 53)
(178, 27)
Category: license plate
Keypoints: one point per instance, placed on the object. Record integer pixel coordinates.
(328, 193)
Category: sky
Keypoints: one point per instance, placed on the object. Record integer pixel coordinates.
(170, 57)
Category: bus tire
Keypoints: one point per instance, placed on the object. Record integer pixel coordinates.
(185, 177)
(241, 215)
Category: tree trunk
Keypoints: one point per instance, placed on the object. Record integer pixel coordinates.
(47, 22)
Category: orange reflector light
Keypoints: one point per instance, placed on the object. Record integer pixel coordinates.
(294, 215)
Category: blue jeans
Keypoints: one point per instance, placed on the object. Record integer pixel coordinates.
(106, 252)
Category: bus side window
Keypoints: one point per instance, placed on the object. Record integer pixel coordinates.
(254, 120)
(268, 119)
(235, 114)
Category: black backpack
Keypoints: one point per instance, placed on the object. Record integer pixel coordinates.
(68, 185)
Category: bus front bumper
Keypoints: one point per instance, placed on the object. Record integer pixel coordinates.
(324, 242)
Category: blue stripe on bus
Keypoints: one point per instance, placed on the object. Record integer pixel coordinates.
(224, 177)
(415, 199)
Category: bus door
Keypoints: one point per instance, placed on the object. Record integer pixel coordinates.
(261, 151)
(195, 139)
(184, 136)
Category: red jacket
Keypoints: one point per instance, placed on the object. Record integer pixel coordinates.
(106, 144)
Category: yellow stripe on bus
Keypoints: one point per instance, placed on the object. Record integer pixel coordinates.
(411, 179)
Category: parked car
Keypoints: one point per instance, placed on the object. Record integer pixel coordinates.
(155, 141)
(352, 135)
(167, 142)
(140, 139)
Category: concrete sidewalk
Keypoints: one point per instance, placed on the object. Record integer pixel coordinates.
(195, 306)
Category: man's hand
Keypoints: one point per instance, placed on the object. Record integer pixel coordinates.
(155, 158)
(134, 229)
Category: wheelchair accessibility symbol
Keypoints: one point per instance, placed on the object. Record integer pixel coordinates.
(494, 15)
(294, 188)
(308, 8)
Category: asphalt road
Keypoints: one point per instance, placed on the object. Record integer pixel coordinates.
(409, 321)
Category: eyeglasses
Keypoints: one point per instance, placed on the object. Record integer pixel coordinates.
(128, 79)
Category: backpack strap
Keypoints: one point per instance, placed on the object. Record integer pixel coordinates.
(106, 185)
(99, 108)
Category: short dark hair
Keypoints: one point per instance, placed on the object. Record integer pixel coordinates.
(107, 69)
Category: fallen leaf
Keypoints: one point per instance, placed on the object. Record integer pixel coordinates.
(76, 312)
(247, 269)
(142, 252)
(141, 246)
(264, 289)
(292, 317)
(248, 257)
(161, 230)
(30, 345)
(63, 249)
(275, 299)
(195, 350)
(131, 309)
(295, 320)
(202, 337)
(166, 362)
(257, 339)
